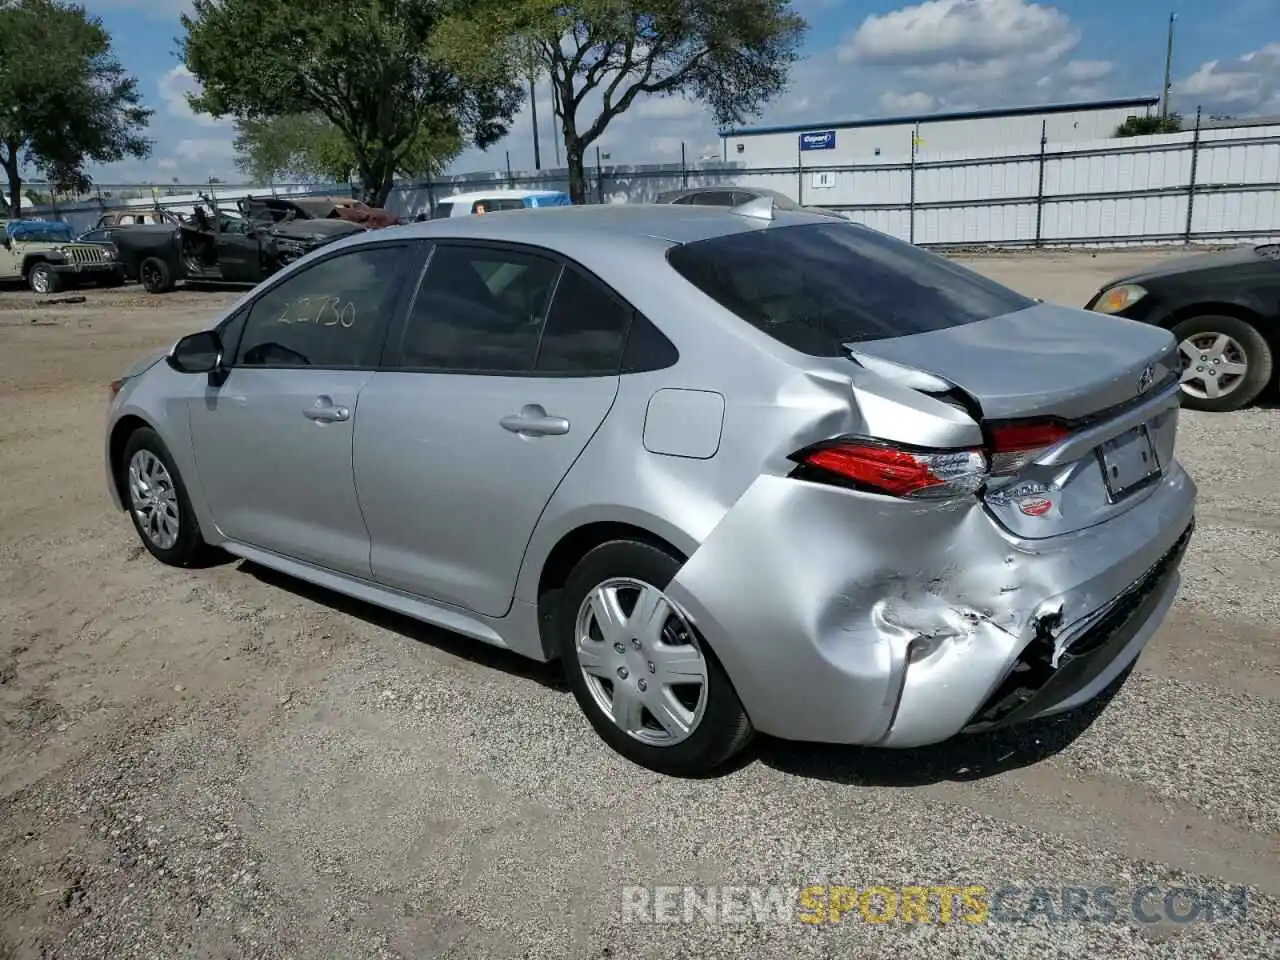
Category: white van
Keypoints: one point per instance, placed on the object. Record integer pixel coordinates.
(490, 201)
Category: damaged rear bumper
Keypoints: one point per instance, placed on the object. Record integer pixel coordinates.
(843, 617)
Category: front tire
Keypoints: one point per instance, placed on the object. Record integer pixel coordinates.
(43, 279)
(1226, 362)
(157, 501)
(648, 683)
(155, 276)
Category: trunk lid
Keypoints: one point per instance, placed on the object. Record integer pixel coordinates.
(1044, 361)
(1112, 383)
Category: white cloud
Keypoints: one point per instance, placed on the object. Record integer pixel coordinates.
(971, 31)
(915, 102)
(1248, 84)
(960, 52)
(1086, 71)
(173, 88)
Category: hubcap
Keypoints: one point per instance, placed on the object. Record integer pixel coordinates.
(641, 661)
(154, 499)
(1213, 365)
(40, 281)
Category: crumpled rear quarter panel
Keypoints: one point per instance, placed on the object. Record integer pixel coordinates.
(810, 596)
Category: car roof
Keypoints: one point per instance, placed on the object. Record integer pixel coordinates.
(580, 231)
(498, 194)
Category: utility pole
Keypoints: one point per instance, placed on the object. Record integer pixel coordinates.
(533, 107)
(1168, 68)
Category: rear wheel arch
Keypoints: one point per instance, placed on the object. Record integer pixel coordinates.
(575, 545)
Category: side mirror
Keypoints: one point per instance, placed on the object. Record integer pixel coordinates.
(197, 353)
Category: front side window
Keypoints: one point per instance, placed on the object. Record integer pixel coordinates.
(331, 314)
(479, 309)
(815, 287)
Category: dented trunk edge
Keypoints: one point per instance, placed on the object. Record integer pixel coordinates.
(893, 622)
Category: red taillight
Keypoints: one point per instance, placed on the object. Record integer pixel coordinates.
(896, 471)
(1015, 445)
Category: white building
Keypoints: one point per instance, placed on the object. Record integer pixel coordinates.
(833, 144)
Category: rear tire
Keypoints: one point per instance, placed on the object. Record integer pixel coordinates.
(1227, 362)
(43, 279)
(155, 276)
(618, 669)
(157, 501)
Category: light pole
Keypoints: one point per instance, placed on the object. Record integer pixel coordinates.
(1168, 68)
(533, 107)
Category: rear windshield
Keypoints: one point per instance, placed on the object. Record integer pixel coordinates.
(442, 211)
(817, 286)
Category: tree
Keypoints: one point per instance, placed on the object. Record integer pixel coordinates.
(733, 55)
(310, 147)
(1145, 126)
(65, 100)
(372, 68)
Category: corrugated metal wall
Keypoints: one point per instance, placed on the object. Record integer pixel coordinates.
(891, 141)
(1106, 191)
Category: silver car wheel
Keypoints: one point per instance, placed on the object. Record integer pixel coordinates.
(1213, 365)
(40, 281)
(641, 661)
(154, 499)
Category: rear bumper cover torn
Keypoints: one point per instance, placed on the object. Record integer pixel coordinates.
(842, 617)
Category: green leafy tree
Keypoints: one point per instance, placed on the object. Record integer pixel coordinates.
(310, 147)
(374, 69)
(732, 55)
(1145, 126)
(65, 100)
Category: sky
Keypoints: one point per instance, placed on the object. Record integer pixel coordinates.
(861, 58)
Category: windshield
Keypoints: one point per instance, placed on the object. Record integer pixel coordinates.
(816, 287)
(40, 231)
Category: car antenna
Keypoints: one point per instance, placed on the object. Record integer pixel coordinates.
(761, 208)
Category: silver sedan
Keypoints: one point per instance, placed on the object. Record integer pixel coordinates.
(739, 470)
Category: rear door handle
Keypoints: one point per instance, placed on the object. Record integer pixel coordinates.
(533, 421)
(324, 411)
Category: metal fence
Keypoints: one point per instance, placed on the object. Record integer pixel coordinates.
(1204, 185)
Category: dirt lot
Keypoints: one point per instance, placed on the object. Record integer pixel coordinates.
(224, 763)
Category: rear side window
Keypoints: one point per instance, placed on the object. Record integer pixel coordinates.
(815, 287)
(585, 329)
(479, 309)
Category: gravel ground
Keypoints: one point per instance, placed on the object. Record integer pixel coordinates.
(225, 763)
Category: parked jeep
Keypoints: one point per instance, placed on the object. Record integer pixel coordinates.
(44, 254)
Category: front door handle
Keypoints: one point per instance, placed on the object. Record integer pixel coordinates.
(533, 421)
(324, 411)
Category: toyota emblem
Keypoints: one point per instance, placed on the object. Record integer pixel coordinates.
(1148, 377)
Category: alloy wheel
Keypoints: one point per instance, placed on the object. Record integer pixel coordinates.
(641, 661)
(1213, 365)
(40, 281)
(154, 499)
